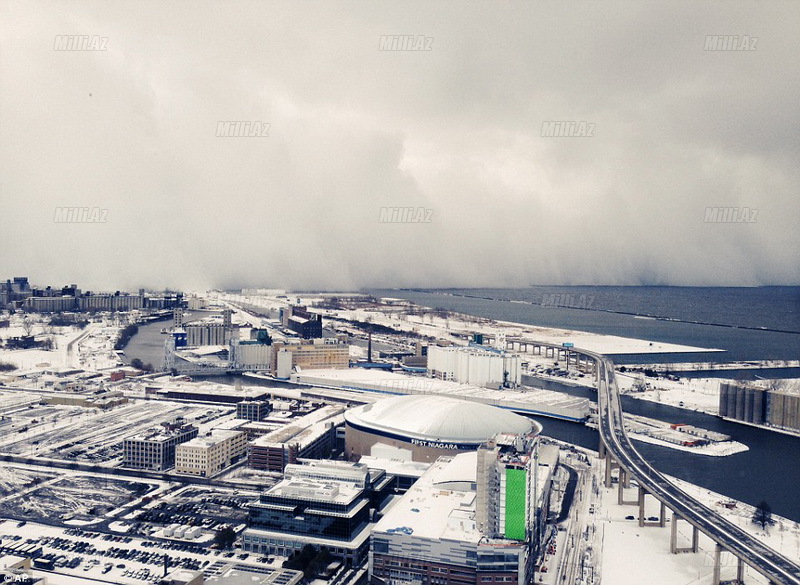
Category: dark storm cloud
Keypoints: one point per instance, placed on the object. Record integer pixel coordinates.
(455, 130)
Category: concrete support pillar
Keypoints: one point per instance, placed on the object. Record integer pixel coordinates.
(740, 570)
(601, 449)
(673, 534)
(717, 555)
(642, 494)
(610, 465)
(673, 542)
(623, 484)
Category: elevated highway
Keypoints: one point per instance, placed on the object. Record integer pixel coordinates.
(776, 567)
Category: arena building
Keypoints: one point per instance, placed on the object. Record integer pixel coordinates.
(425, 427)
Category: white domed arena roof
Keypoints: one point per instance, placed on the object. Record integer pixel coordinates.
(439, 418)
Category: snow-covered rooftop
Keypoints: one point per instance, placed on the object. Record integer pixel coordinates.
(438, 417)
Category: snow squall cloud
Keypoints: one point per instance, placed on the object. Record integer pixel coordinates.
(456, 130)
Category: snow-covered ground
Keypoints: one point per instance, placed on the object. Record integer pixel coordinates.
(631, 554)
(90, 348)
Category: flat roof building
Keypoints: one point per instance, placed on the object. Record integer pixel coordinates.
(155, 449)
(312, 436)
(253, 410)
(475, 365)
(438, 533)
(323, 503)
(207, 456)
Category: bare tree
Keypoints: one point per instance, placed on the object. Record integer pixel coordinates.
(27, 325)
(762, 515)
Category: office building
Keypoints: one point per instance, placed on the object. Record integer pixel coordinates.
(207, 456)
(473, 518)
(253, 410)
(155, 449)
(323, 503)
(474, 365)
(312, 436)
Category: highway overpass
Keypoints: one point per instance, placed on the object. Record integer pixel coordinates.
(747, 548)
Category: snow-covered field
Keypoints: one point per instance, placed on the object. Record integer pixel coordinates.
(654, 564)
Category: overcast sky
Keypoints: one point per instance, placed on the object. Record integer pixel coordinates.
(455, 129)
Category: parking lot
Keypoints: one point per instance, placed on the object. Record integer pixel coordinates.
(196, 506)
(119, 559)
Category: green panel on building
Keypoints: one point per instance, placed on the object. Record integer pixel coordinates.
(516, 486)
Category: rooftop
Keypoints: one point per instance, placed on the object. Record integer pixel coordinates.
(439, 417)
(217, 436)
(428, 511)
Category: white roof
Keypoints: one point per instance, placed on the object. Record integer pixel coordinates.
(438, 418)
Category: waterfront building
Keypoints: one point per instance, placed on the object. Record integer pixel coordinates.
(474, 365)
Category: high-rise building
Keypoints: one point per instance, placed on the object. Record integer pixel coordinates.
(470, 519)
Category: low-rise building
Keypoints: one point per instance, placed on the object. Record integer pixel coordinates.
(312, 436)
(322, 353)
(758, 402)
(474, 365)
(253, 410)
(207, 456)
(155, 448)
(323, 503)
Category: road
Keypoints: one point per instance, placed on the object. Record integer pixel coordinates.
(751, 550)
